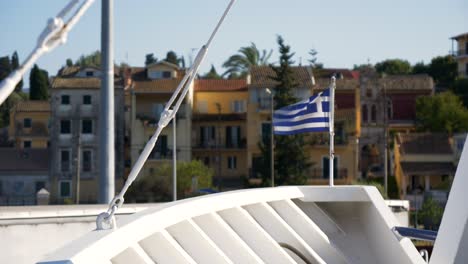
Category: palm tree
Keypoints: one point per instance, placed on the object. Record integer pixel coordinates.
(239, 64)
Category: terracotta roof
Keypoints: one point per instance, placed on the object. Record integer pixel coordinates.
(68, 71)
(32, 106)
(77, 83)
(172, 65)
(161, 85)
(428, 168)
(220, 85)
(463, 35)
(329, 72)
(424, 143)
(15, 160)
(261, 76)
(407, 82)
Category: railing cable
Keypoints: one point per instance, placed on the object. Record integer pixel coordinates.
(53, 35)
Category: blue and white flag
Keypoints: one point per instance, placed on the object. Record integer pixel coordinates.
(312, 115)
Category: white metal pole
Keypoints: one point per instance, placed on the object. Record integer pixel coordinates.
(174, 160)
(332, 130)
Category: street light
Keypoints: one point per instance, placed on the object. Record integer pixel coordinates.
(271, 139)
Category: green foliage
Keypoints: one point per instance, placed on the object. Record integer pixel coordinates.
(239, 64)
(443, 112)
(14, 66)
(393, 67)
(313, 60)
(363, 67)
(420, 68)
(212, 74)
(150, 59)
(5, 67)
(91, 60)
(290, 158)
(38, 84)
(69, 62)
(444, 70)
(158, 185)
(460, 88)
(172, 57)
(430, 214)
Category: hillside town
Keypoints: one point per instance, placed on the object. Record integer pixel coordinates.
(383, 137)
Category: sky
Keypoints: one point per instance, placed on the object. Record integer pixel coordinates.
(343, 32)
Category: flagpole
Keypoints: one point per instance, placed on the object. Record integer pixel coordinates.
(332, 125)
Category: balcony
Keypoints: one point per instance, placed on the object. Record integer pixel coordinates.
(323, 139)
(219, 117)
(459, 53)
(37, 129)
(160, 154)
(211, 144)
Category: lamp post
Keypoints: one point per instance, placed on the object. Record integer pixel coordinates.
(272, 139)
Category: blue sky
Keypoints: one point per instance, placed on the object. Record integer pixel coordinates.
(343, 32)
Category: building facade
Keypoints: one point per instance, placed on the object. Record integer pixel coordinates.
(29, 124)
(75, 107)
(219, 130)
(461, 54)
(388, 105)
(148, 90)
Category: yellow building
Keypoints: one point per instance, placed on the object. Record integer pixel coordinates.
(219, 131)
(461, 54)
(29, 124)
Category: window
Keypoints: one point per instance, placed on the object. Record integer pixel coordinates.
(39, 185)
(166, 74)
(206, 161)
(86, 126)
(160, 151)
(202, 106)
(89, 74)
(238, 106)
(87, 99)
(18, 187)
(65, 99)
(207, 136)
(65, 126)
(1, 188)
(27, 144)
(233, 136)
(65, 160)
(389, 109)
(232, 162)
(86, 160)
(374, 114)
(65, 189)
(365, 116)
(157, 110)
(326, 167)
(27, 123)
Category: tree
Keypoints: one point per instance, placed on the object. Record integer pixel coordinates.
(91, 60)
(313, 61)
(290, 157)
(150, 59)
(420, 68)
(460, 88)
(69, 62)
(38, 84)
(431, 214)
(212, 74)
(444, 70)
(239, 64)
(15, 65)
(171, 57)
(393, 67)
(443, 112)
(5, 67)
(191, 177)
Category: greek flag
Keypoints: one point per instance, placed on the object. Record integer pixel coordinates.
(311, 115)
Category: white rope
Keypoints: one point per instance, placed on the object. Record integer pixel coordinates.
(54, 34)
(106, 220)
